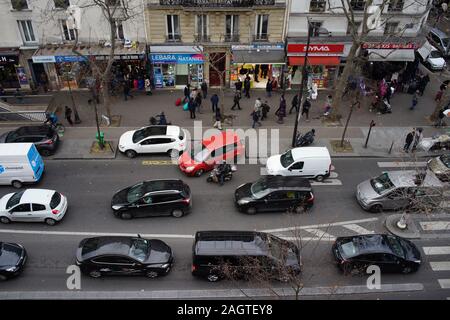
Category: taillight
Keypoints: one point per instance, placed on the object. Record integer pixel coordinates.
(54, 211)
(187, 201)
(193, 268)
(311, 199)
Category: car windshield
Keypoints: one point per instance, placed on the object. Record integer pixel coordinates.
(348, 249)
(286, 159)
(139, 249)
(435, 54)
(135, 192)
(15, 199)
(445, 160)
(382, 183)
(199, 154)
(259, 188)
(396, 246)
(11, 136)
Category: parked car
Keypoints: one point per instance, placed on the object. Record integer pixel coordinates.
(199, 159)
(435, 143)
(153, 198)
(43, 137)
(390, 253)
(440, 166)
(33, 205)
(13, 257)
(440, 40)
(153, 139)
(309, 162)
(111, 255)
(271, 193)
(241, 254)
(399, 190)
(431, 57)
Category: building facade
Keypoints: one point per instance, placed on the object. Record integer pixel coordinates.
(217, 41)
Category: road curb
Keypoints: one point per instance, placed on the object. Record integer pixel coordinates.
(412, 232)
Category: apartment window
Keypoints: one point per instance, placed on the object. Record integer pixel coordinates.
(173, 27)
(358, 5)
(232, 28)
(68, 33)
(202, 25)
(317, 6)
(315, 28)
(391, 28)
(19, 4)
(357, 25)
(26, 30)
(62, 4)
(118, 26)
(113, 3)
(262, 26)
(396, 5)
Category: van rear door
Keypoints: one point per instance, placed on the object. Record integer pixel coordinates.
(36, 162)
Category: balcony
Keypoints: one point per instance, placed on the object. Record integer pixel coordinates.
(261, 37)
(217, 3)
(202, 38)
(231, 38)
(173, 38)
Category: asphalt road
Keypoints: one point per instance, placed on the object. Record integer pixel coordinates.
(89, 186)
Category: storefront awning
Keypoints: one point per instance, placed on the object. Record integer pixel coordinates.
(314, 60)
(261, 57)
(391, 55)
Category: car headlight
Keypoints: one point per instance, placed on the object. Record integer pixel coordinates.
(166, 265)
(243, 202)
(12, 269)
(116, 207)
(190, 168)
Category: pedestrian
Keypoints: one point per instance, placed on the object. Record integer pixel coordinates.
(214, 101)
(409, 140)
(247, 86)
(417, 139)
(255, 118)
(218, 119)
(328, 104)
(187, 93)
(43, 80)
(423, 83)
(269, 88)
(415, 99)
(126, 90)
(440, 119)
(305, 109)
(68, 115)
(148, 86)
(439, 95)
(281, 111)
(257, 107)
(191, 107)
(295, 103)
(198, 101)
(193, 93)
(238, 85)
(204, 88)
(236, 99)
(265, 108)
(389, 92)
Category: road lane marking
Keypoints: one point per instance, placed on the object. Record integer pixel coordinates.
(401, 164)
(436, 250)
(440, 265)
(358, 229)
(444, 283)
(435, 225)
(319, 234)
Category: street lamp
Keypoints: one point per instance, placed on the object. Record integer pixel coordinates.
(319, 31)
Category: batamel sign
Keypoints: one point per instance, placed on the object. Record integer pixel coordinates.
(316, 49)
(180, 58)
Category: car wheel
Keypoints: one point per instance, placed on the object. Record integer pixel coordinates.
(376, 208)
(16, 184)
(173, 153)
(320, 178)
(45, 153)
(5, 220)
(3, 278)
(213, 277)
(406, 270)
(300, 209)
(126, 216)
(50, 221)
(130, 153)
(251, 210)
(95, 274)
(151, 274)
(199, 173)
(177, 213)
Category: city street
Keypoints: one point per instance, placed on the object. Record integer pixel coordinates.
(89, 186)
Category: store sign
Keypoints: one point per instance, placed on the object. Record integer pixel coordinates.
(389, 46)
(9, 59)
(44, 59)
(60, 59)
(316, 49)
(180, 58)
(278, 46)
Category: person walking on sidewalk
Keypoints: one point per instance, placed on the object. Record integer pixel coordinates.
(68, 115)
(126, 90)
(281, 111)
(204, 88)
(187, 93)
(198, 101)
(423, 83)
(440, 94)
(148, 86)
(415, 99)
(238, 85)
(255, 118)
(214, 102)
(295, 103)
(440, 119)
(218, 118)
(305, 109)
(265, 108)
(247, 86)
(269, 88)
(417, 139)
(409, 139)
(191, 107)
(236, 99)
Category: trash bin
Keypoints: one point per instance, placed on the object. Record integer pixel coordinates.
(101, 139)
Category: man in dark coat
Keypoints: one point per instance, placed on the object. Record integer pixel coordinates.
(305, 109)
(192, 106)
(204, 88)
(295, 103)
(269, 88)
(247, 86)
(238, 85)
(214, 101)
(68, 115)
(187, 92)
(409, 139)
(236, 99)
(423, 83)
(281, 112)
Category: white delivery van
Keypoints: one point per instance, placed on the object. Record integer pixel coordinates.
(20, 163)
(309, 162)
(431, 57)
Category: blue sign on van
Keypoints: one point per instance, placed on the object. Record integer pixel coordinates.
(2, 169)
(36, 162)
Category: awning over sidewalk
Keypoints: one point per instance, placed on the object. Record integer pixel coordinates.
(315, 60)
(261, 57)
(391, 55)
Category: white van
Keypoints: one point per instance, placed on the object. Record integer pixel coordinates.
(310, 162)
(20, 163)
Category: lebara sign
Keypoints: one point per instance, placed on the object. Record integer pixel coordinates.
(180, 58)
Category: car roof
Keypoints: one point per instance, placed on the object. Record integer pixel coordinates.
(310, 152)
(173, 131)
(164, 184)
(161, 131)
(33, 130)
(280, 182)
(371, 243)
(37, 196)
(408, 178)
(107, 245)
(220, 140)
(211, 243)
(439, 33)
(7, 149)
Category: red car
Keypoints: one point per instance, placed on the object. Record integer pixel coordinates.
(224, 146)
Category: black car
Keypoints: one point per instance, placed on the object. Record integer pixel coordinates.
(389, 252)
(242, 254)
(153, 198)
(12, 260)
(275, 193)
(44, 138)
(124, 256)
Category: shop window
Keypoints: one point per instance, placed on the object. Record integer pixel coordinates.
(358, 5)
(19, 4)
(317, 6)
(173, 28)
(68, 33)
(350, 27)
(232, 28)
(26, 30)
(315, 26)
(62, 4)
(202, 28)
(118, 27)
(396, 5)
(262, 27)
(391, 28)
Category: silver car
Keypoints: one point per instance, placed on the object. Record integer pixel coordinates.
(440, 167)
(399, 190)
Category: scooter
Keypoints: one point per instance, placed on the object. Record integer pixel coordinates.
(156, 121)
(214, 177)
(306, 139)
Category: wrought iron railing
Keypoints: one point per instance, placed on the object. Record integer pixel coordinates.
(202, 38)
(231, 38)
(217, 3)
(173, 38)
(261, 37)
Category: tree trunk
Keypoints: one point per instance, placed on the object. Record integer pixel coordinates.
(106, 98)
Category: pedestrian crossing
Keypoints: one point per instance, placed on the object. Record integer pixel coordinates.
(440, 263)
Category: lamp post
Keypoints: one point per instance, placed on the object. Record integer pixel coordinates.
(304, 78)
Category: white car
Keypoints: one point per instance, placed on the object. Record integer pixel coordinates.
(33, 205)
(153, 139)
(431, 57)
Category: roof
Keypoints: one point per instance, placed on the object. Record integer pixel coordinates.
(310, 152)
(37, 196)
(221, 139)
(106, 245)
(407, 178)
(275, 182)
(374, 243)
(8, 149)
(163, 184)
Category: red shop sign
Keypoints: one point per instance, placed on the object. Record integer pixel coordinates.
(316, 48)
(389, 46)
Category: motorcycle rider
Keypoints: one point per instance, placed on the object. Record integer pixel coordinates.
(222, 170)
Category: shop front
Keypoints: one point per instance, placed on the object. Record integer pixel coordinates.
(9, 69)
(176, 66)
(259, 62)
(323, 63)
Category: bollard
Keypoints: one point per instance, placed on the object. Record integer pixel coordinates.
(372, 124)
(390, 149)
